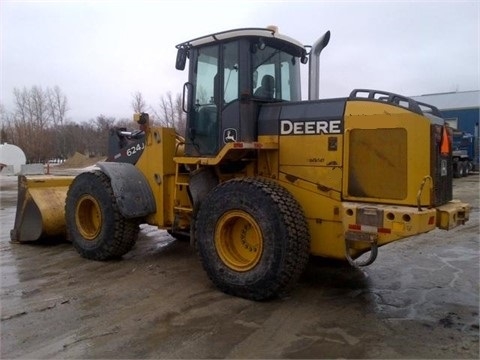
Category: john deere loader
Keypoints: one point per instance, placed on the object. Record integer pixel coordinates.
(261, 179)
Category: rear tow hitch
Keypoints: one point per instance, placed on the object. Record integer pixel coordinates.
(351, 238)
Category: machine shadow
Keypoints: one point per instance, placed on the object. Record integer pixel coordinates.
(334, 275)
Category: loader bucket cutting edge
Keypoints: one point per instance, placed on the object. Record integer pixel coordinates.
(40, 207)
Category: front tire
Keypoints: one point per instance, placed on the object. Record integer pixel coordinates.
(95, 226)
(252, 238)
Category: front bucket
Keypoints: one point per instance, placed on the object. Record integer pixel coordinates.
(40, 207)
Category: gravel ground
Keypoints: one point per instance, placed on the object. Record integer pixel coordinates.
(420, 299)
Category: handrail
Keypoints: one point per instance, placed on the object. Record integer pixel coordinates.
(420, 190)
(388, 97)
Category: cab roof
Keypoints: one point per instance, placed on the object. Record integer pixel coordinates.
(270, 34)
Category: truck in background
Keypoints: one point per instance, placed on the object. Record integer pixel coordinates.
(463, 154)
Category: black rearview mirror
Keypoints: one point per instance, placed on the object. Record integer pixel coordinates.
(181, 59)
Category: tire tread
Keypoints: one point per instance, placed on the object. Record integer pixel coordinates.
(125, 231)
(297, 239)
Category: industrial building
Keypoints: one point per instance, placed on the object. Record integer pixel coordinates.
(461, 110)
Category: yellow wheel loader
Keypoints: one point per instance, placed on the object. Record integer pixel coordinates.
(261, 179)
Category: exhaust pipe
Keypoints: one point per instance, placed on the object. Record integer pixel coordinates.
(314, 66)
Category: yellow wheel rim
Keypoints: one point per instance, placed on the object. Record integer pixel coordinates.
(88, 217)
(238, 240)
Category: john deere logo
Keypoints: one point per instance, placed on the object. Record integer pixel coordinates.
(230, 135)
(288, 127)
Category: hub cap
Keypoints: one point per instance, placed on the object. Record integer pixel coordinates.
(88, 217)
(238, 240)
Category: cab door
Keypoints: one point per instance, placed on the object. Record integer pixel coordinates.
(203, 114)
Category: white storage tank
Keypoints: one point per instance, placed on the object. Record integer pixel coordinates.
(12, 155)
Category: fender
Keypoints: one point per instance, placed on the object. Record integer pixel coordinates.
(130, 188)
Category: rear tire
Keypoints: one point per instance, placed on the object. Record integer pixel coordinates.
(461, 169)
(252, 238)
(471, 167)
(457, 170)
(95, 225)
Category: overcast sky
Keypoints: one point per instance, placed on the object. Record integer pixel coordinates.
(101, 52)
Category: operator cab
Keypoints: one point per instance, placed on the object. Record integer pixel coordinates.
(231, 74)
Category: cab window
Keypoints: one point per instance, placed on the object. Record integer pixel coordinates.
(230, 72)
(204, 122)
(275, 75)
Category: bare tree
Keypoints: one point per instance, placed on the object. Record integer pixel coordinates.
(170, 112)
(99, 140)
(138, 103)
(35, 112)
(6, 131)
(181, 117)
(166, 112)
(125, 123)
(26, 125)
(39, 107)
(39, 124)
(75, 137)
(57, 105)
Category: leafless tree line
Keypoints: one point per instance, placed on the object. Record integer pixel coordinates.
(168, 113)
(39, 124)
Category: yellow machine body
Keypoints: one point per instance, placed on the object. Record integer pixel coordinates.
(320, 180)
(398, 206)
(365, 172)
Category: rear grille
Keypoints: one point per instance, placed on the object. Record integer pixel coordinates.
(441, 167)
(367, 155)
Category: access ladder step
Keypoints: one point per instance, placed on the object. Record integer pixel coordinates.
(183, 209)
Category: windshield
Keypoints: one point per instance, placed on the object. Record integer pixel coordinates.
(276, 75)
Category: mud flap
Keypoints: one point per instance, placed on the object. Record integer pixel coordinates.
(131, 189)
(40, 207)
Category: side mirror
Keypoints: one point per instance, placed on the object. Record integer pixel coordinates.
(181, 59)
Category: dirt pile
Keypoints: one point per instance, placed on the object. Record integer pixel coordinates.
(79, 160)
